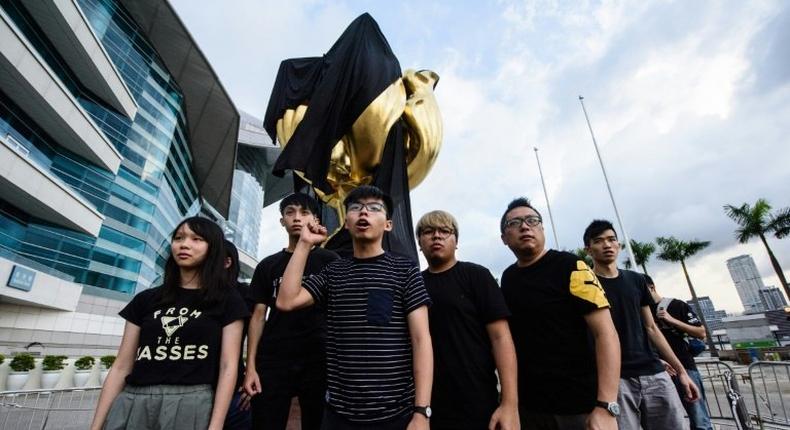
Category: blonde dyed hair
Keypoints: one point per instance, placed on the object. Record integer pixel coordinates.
(437, 219)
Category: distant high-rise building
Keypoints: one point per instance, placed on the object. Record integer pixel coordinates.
(712, 316)
(748, 282)
(773, 298)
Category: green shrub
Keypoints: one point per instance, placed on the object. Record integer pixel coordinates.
(84, 363)
(2, 358)
(23, 362)
(107, 360)
(53, 362)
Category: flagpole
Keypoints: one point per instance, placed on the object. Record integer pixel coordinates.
(609, 188)
(548, 205)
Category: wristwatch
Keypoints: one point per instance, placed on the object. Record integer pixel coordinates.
(424, 410)
(612, 407)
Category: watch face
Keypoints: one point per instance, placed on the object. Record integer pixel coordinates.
(428, 411)
(614, 409)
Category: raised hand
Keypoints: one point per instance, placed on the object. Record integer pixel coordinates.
(313, 233)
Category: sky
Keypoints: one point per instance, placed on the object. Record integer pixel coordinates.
(689, 102)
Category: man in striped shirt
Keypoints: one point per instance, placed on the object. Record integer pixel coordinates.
(378, 346)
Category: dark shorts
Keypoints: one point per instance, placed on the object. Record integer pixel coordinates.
(177, 407)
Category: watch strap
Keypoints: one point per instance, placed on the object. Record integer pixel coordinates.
(423, 410)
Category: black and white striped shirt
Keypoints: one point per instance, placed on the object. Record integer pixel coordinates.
(368, 346)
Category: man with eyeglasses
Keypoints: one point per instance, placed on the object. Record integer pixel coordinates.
(378, 345)
(565, 382)
(468, 319)
(647, 397)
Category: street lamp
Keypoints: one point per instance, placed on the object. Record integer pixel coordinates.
(548, 205)
(608, 187)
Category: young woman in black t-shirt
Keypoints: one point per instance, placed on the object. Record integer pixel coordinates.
(177, 363)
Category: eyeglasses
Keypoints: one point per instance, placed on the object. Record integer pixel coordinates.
(442, 232)
(531, 220)
(371, 207)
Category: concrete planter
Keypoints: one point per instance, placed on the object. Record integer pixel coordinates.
(4, 369)
(49, 378)
(81, 377)
(16, 380)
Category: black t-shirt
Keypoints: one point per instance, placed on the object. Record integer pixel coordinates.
(556, 359)
(465, 299)
(180, 343)
(681, 311)
(289, 335)
(628, 293)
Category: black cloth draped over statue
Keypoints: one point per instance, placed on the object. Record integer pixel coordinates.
(337, 88)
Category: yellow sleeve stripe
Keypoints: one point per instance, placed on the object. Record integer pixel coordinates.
(585, 285)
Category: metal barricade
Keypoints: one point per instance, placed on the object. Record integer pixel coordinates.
(770, 386)
(48, 409)
(724, 401)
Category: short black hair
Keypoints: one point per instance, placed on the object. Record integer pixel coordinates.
(302, 200)
(649, 280)
(520, 202)
(369, 192)
(595, 228)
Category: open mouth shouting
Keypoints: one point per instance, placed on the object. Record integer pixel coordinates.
(362, 225)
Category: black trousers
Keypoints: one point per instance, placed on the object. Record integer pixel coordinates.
(280, 383)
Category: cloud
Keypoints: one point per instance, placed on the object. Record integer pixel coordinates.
(245, 40)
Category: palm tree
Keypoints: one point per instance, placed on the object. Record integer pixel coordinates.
(676, 251)
(582, 253)
(757, 221)
(642, 253)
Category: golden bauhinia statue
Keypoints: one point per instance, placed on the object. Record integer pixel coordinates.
(350, 118)
(358, 153)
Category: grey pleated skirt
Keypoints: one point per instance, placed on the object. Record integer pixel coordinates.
(159, 407)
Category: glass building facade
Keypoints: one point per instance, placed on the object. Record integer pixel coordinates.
(154, 187)
(244, 219)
